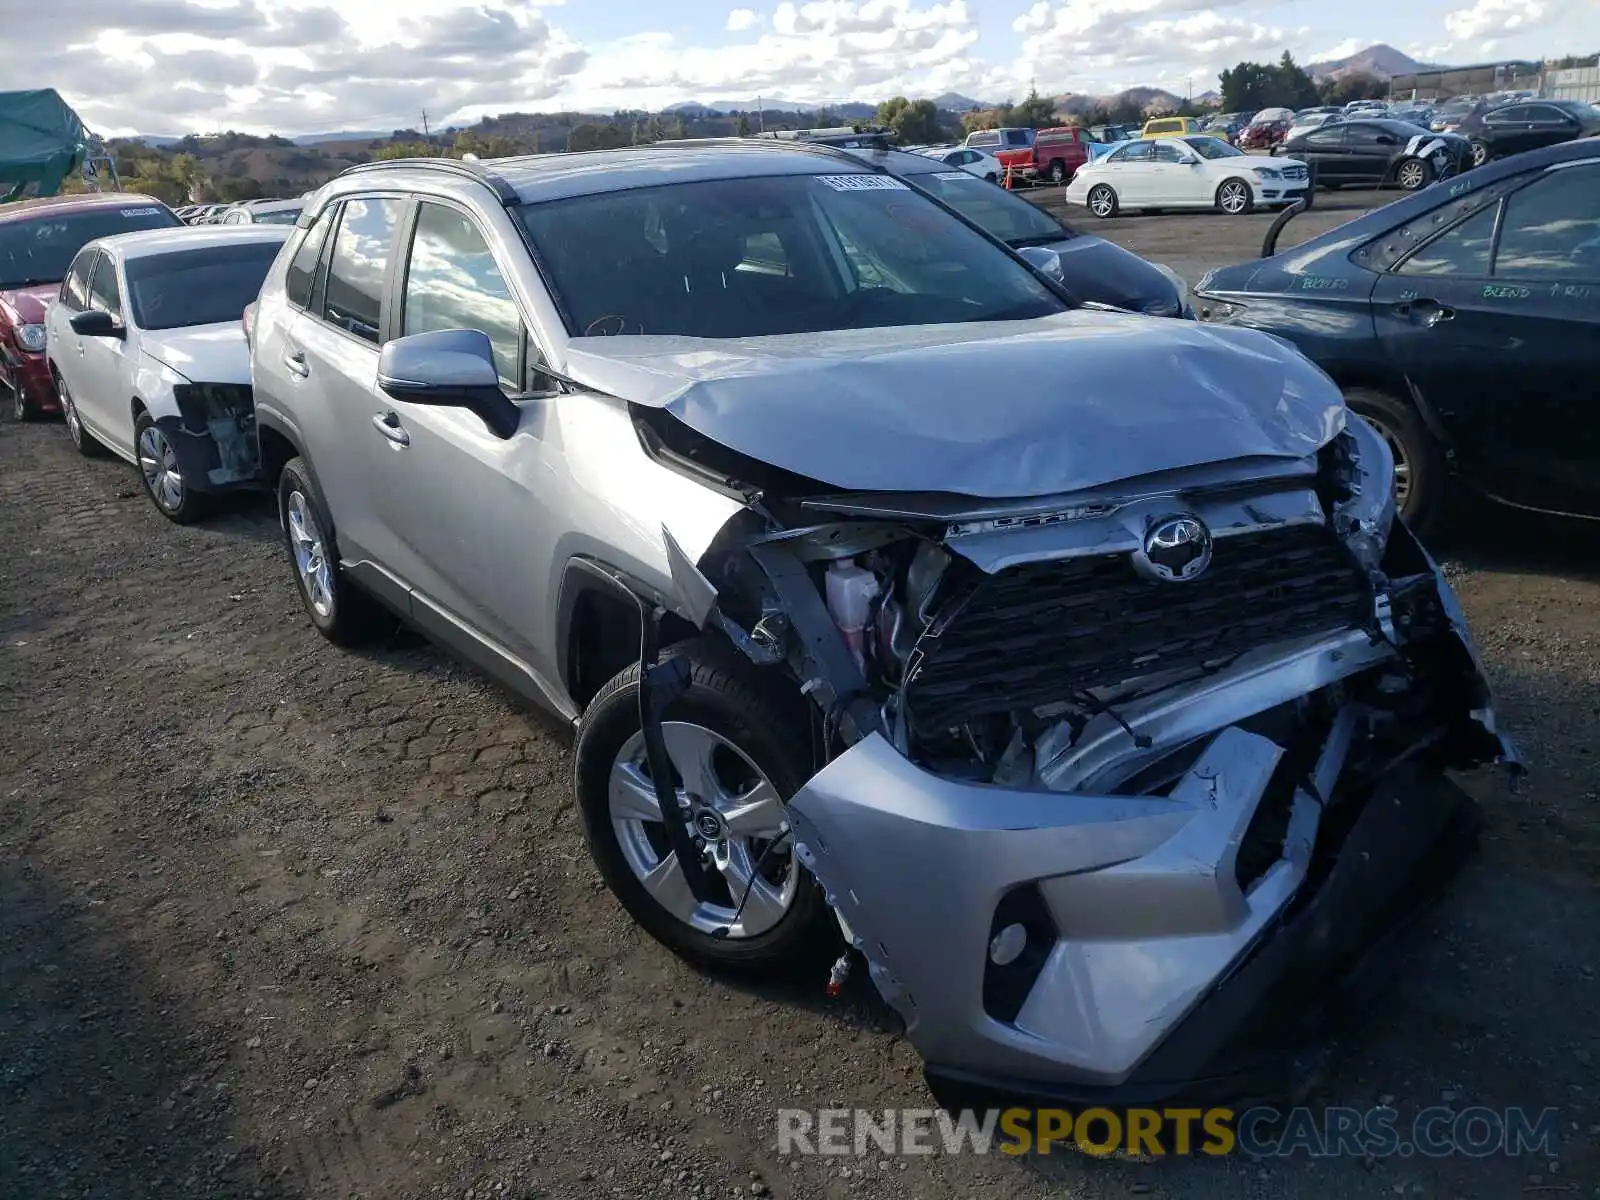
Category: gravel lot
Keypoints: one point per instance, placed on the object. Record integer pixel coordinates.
(285, 921)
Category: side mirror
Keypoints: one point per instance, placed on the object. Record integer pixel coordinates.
(96, 322)
(1045, 261)
(1190, 160)
(453, 368)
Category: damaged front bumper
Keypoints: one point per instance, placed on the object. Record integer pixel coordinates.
(1097, 940)
(213, 436)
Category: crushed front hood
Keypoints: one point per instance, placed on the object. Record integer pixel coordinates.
(29, 302)
(995, 410)
(202, 353)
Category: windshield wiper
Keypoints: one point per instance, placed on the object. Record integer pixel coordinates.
(1038, 239)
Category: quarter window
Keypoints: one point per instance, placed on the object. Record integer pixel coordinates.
(1464, 250)
(452, 282)
(103, 291)
(361, 250)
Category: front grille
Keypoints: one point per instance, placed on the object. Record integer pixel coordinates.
(1039, 633)
(1294, 172)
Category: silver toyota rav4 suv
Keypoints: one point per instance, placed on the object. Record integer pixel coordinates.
(1068, 667)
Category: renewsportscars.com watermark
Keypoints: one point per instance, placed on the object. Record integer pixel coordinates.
(1256, 1132)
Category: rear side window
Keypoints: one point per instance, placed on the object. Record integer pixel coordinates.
(361, 250)
(302, 273)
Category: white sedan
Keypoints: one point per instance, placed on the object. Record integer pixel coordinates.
(1196, 171)
(147, 346)
(974, 162)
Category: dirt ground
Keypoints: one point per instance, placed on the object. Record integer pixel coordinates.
(285, 921)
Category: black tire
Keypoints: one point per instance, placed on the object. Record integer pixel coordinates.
(22, 409)
(350, 614)
(992, 177)
(1108, 197)
(1233, 185)
(1481, 152)
(190, 505)
(84, 442)
(1058, 172)
(767, 724)
(1419, 459)
(1329, 187)
(1413, 174)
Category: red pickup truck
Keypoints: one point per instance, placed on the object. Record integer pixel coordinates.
(1036, 154)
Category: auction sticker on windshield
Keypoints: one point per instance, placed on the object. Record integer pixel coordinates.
(950, 175)
(862, 183)
(140, 212)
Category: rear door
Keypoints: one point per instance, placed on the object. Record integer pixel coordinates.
(1324, 150)
(1496, 322)
(330, 360)
(1509, 128)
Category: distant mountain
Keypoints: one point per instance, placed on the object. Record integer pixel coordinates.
(1079, 103)
(155, 139)
(1381, 61)
(956, 102)
(344, 135)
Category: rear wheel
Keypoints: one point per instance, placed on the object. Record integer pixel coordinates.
(1102, 201)
(1419, 462)
(1413, 175)
(82, 440)
(1480, 152)
(1058, 171)
(1235, 198)
(739, 749)
(22, 409)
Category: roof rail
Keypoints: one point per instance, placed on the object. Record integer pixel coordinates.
(503, 191)
(826, 149)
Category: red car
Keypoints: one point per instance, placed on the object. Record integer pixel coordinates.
(38, 240)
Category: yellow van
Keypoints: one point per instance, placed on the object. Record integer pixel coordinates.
(1170, 127)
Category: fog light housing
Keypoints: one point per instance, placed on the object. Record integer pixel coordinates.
(1021, 936)
(1007, 945)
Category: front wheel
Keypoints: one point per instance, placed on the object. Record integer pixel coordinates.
(1235, 198)
(163, 477)
(1419, 462)
(1102, 201)
(22, 409)
(739, 749)
(1413, 175)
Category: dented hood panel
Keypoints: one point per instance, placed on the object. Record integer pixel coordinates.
(1000, 409)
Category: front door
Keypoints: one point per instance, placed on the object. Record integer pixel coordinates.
(1368, 150)
(1131, 172)
(1172, 180)
(1501, 338)
(465, 511)
(105, 391)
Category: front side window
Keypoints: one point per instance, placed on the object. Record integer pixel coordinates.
(1000, 213)
(1552, 227)
(1210, 147)
(209, 285)
(860, 251)
(75, 287)
(302, 272)
(452, 282)
(1167, 154)
(104, 293)
(1462, 251)
(278, 216)
(40, 249)
(361, 249)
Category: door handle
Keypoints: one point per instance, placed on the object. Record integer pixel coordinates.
(388, 424)
(1431, 312)
(297, 364)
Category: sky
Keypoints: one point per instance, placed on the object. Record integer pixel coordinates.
(311, 66)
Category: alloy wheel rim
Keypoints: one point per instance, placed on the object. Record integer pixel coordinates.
(1100, 202)
(159, 466)
(310, 560)
(1232, 198)
(1480, 154)
(734, 810)
(1411, 175)
(70, 412)
(1402, 461)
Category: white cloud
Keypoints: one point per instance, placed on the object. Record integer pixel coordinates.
(741, 19)
(1490, 18)
(1343, 50)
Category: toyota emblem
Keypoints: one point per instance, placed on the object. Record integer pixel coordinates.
(1176, 549)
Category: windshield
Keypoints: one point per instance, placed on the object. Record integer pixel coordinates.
(773, 255)
(205, 286)
(997, 212)
(1210, 147)
(41, 248)
(276, 216)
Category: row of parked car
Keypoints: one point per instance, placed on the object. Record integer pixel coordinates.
(245, 212)
(804, 483)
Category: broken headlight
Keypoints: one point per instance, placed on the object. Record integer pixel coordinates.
(1364, 505)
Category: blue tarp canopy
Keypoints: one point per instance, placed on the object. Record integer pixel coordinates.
(42, 141)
